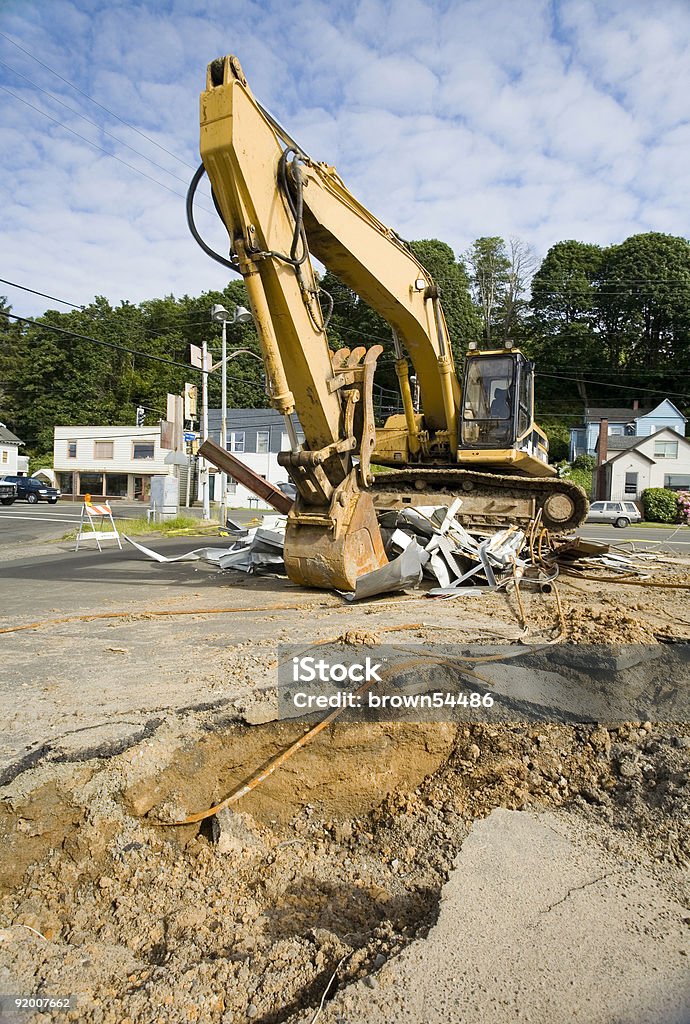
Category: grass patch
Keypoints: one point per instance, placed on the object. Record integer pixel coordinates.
(179, 526)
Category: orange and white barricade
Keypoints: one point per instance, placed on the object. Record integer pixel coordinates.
(97, 513)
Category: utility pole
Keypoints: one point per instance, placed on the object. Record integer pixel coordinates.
(240, 316)
(205, 504)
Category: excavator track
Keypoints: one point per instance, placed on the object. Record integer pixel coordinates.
(488, 499)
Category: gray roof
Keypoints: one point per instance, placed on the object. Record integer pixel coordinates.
(7, 437)
(619, 442)
(637, 441)
(621, 414)
(243, 418)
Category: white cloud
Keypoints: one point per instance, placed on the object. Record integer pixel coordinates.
(448, 118)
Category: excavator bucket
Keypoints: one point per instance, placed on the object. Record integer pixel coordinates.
(332, 551)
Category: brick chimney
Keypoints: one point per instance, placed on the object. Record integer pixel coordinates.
(603, 441)
(603, 453)
(636, 404)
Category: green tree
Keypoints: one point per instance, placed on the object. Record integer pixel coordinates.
(489, 274)
(565, 316)
(450, 275)
(644, 303)
(12, 354)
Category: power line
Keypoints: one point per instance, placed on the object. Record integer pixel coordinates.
(43, 295)
(93, 123)
(92, 100)
(607, 384)
(123, 348)
(98, 341)
(64, 302)
(598, 283)
(89, 142)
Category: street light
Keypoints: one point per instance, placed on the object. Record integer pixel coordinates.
(240, 316)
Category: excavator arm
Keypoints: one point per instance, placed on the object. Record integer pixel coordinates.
(279, 206)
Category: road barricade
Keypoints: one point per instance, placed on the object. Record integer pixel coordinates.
(97, 515)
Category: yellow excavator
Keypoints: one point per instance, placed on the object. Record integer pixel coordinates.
(478, 442)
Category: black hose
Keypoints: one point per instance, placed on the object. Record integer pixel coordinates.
(191, 191)
(296, 204)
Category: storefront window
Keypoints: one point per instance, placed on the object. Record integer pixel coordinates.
(116, 485)
(91, 483)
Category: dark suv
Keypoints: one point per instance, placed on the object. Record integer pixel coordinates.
(32, 490)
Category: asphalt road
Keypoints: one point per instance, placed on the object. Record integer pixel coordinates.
(23, 524)
(674, 538)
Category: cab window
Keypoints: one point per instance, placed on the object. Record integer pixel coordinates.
(487, 415)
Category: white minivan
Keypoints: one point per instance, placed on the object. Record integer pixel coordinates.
(620, 513)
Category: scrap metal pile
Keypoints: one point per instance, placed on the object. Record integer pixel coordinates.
(427, 542)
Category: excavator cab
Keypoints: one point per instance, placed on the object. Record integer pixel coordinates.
(498, 404)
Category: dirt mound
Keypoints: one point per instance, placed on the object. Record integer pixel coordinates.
(248, 915)
(607, 626)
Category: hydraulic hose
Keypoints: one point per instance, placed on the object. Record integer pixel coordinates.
(191, 191)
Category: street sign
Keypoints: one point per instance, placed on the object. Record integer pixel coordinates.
(189, 435)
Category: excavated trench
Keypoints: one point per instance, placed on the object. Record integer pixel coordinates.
(336, 861)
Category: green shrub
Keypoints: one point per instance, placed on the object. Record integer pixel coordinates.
(588, 462)
(558, 434)
(660, 505)
(583, 477)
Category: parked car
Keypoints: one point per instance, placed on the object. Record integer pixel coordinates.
(288, 488)
(620, 513)
(8, 491)
(30, 489)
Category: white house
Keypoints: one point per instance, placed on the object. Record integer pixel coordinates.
(112, 462)
(624, 422)
(632, 464)
(255, 436)
(11, 462)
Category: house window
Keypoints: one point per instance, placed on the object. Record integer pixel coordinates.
(102, 449)
(263, 439)
(631, 484)
(236, 441)
(665, 449)
(71, 449)
(677, 482)
(142, 450)
(616, 430)
(5, 456)
(231, 485)
(285, 441)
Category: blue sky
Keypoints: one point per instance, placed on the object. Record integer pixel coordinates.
(536, 119)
